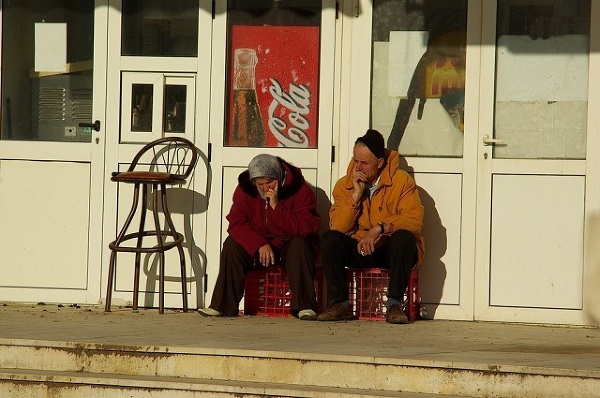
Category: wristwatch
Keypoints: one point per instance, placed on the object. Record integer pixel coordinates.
(382, 227)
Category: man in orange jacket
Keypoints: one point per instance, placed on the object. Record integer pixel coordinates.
(375, 222)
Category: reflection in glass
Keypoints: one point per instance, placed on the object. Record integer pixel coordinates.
(174, 112)
(160, 28)
(46, 105)
(542, 57)
(141, 107)
(418, 75)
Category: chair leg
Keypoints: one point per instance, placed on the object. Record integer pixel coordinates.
(138, 254)
(159, 238)
(109, 285)
(171, 226)
(113, 256)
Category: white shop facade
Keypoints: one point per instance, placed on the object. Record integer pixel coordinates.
(491, 103)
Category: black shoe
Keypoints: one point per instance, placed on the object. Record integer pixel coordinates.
(337, 312)
(396, 315)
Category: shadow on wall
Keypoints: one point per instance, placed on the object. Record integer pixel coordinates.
(432, 272)
(186, 202)
(323, 206)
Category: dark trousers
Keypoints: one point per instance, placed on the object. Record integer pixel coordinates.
(298, 258)
(338, 250)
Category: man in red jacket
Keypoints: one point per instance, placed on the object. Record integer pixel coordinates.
(375, 222)
(273, 221)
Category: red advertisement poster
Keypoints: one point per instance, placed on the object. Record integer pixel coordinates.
(273, 86)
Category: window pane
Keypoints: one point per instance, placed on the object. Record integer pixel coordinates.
(542, 54)
(46, 92)
(160, 28)
(418, 75)
(174, 112)
(273, 73)
(142, 101)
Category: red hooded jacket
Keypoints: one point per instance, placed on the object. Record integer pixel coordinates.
(252, 224)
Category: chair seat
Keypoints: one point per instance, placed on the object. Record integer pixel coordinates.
(145, 177)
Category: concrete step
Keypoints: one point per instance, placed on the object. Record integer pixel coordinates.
(42, 384)
(42, 366)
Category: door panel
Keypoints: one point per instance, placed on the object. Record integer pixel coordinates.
(533, 169)
(51, 158)
(536, 244)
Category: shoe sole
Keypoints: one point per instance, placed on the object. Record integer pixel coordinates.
(204, 314)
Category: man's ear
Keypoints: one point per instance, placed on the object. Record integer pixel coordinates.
(380, 163)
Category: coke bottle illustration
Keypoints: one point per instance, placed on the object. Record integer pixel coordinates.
(248, 128)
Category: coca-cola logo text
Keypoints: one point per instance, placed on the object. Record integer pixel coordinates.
(298, 104)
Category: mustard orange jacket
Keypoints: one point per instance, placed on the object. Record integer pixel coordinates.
(396, 202)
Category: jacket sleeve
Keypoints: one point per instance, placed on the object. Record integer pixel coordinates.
(241, 228)
(344, 213)
(297, 216)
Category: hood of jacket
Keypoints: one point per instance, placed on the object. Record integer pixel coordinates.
(292, 181)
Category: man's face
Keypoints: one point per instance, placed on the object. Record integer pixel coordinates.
(365, 162)
(265, 184)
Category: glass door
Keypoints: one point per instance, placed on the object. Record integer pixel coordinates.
(535, 181)
(53, 86)
(276, 95)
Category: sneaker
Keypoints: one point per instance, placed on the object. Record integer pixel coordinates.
(395, 314)
(307, 315)
(336, 312)
(208, 312)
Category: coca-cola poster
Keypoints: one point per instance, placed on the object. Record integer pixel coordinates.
(274, 80)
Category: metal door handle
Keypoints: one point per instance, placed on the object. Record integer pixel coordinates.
(491, 141)
(95, 126)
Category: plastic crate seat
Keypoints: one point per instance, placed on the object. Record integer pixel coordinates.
(267, 292)
(367, 290)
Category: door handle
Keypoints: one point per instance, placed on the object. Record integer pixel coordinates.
(491, 141)
(95, 126)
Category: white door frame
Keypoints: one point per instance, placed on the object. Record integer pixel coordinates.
(119, 155)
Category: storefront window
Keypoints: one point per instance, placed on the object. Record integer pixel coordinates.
(158, 28)
(273, 73)
(418, 75)
(542, 55)
(48, 48)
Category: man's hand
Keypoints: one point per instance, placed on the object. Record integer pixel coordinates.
(272, 195)
(266, 255)
(367, 244)
(359, 180)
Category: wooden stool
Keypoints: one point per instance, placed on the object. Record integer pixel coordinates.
(166, 161)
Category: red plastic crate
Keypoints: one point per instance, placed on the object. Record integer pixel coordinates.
(368, 289)
(267, 292)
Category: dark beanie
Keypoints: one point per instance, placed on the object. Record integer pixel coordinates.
(374, 141)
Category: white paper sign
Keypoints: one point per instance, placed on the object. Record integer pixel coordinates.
(50, 47)
(406, 49)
